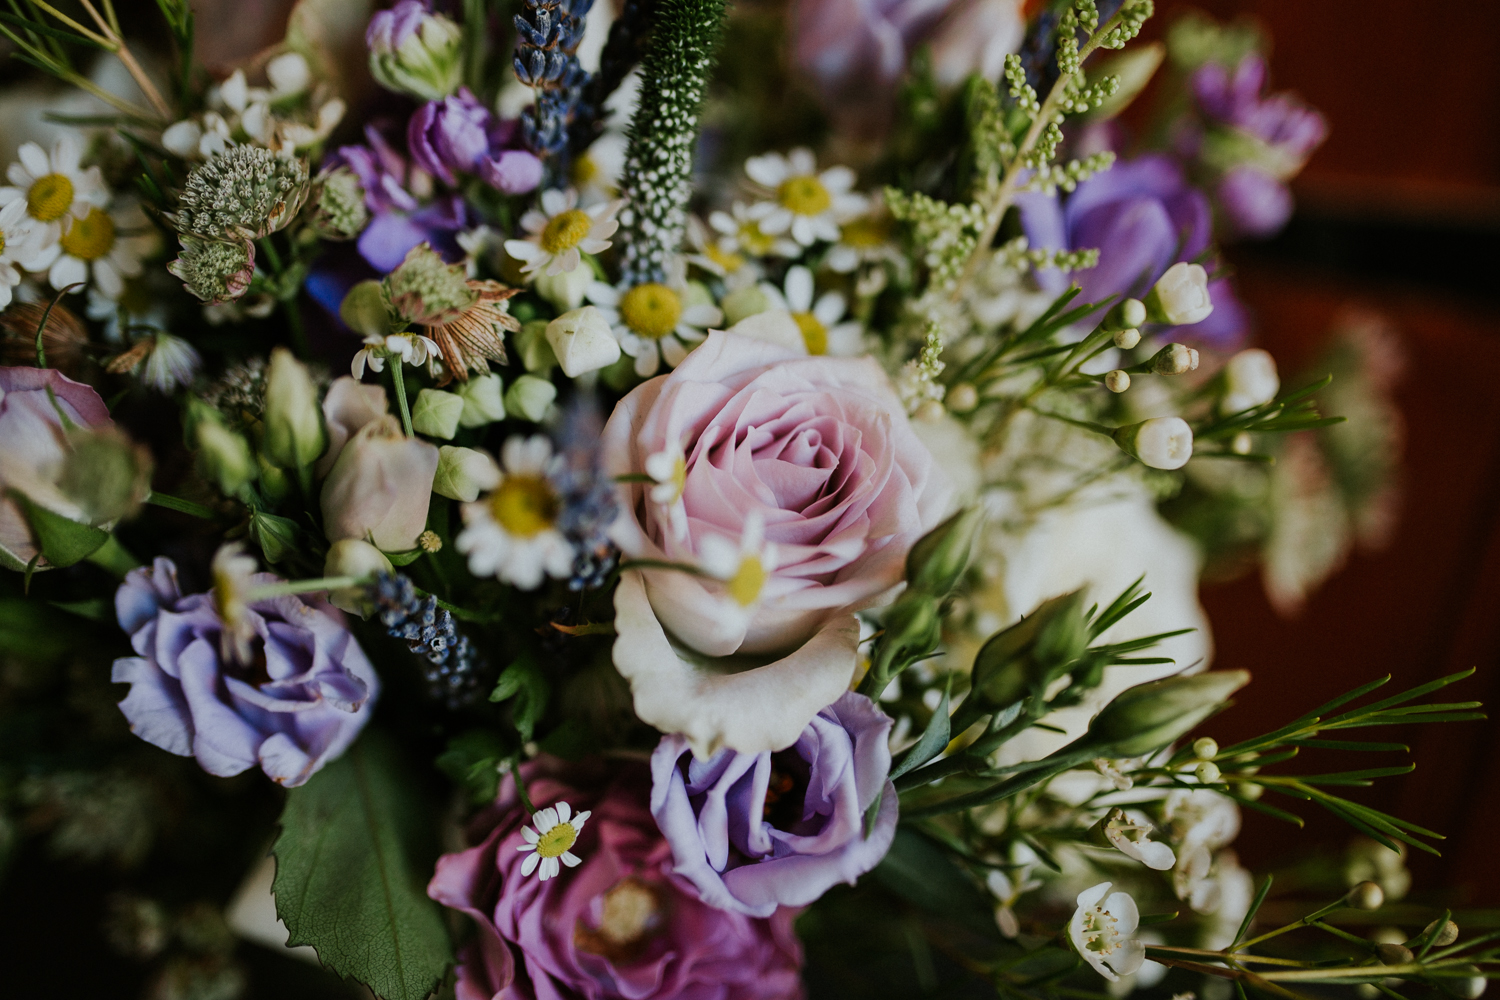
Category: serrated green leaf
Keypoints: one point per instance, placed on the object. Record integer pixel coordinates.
(352, 864)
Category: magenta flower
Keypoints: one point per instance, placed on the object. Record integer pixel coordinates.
(758, 831)
(621, 923)
(298, 703)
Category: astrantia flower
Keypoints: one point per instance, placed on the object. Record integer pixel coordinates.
(512, 533)
(556, 830)
(1006, 891)
(808, 204)
(561, 232)
(245, 191)
(105, 246)
(819, 320)
(657, 322)
(740, 232)
(427, 290)
(54, 188)
(476, 336)
(1103, 932)
(214, 270)
(18, 245)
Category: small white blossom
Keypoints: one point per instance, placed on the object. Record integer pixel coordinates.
(511, 533)
(1130, 834)
(19, 243)
(1180, 296)
(409, 348)
(740, 233)
(54, 188)
(1250, 379)
(801, 201)
(1006, 893)
(819, 320)
(744, 568)
(561, 233)
(107, 247)
(556, 831)
(1103, 932)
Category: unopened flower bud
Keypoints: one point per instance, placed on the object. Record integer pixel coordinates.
(1130, 313)
(962, 398)
(380, 488)
(1393, 954)
(1365, 896)
(1127, 338)
(1161, 442)
(566, 289)
(339, 200)
(1207, 772)
(414, 51)
(912, 625)
(937, 560)
(582, 342)
(529, 397)
(743, 302)
(464, 473)
(1250, 379)
(484, 400)
(1149, 716)
(224, 456)
(1117, 380)
(293, 434)
(364, 310)
(1471, 988)
(1174, 359)
(1241, 443)
(436, 413)
(930, 412)
(531, 344)
(1205, 748)
(214, 271)
(430, 541)
(354, 557)
(1445, 937)
(1251, 791)
(1180, 297)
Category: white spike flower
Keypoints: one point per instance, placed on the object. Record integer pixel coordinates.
(1103, 932)
(556, 831)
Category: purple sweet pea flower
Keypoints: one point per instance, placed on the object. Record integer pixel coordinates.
(460, 135)
(1252, 201)
(390, 28)
(390, 235)
(758, 831)
(382, 172)
(299, 705)
(1282, 121)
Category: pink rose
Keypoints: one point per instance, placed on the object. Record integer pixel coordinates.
(796, 481)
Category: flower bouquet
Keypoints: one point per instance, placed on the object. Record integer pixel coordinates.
(659, 501)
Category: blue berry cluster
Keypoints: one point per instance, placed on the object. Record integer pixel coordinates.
(547, 37)
(452, 665)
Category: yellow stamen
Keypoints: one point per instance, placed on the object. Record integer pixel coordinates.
(524, 506)
(814, 333)
(866, 231)
(651, 310)
(556, 841)
(90, 237)
(804, 195)
(566, 230)
(630, 911)
(746, 584)
(584, 171)
(755, 241)
(50, 198)
(730, 262)
(2, 241)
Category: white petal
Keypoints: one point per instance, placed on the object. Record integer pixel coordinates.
(522, 249)
(777, 221)
(67, 271)
(545, 819)
(769, 170)
(554, 201)
(533, 221)
(723, 223)
(673, 351)
(550, 868)
(34, 160)
(837, 179)
(66, 153)
(529, 865)
(580, 819)
(529, 835)
(571, 860)
(801, 161)
(648, 360)
(829, 309)
(563, 812)
(703, 315)
(803, 230)
(107, 279)
(799, 288)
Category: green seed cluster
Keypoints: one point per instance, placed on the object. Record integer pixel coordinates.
(245, 192)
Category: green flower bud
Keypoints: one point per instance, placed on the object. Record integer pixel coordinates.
(529, 397)
(424, 60)
(1128, 314)
(105, 473)
(364, 310)
(354, 557)
(1393, 954)
(743, 302)
(224, 456)
(436, 413)
(214, 271)
(484, 401)
(937, 561)
(243, 193)
(427, 290)
(565, 290)
(276, 536)
(1207, 772)
(340, 212)
(293, 436)
(536, 353)
(1149, 716)
(274, 484)
(913, 627)
(464, 473)
(1445, 937)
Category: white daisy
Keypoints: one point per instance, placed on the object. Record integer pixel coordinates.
(744, 568)
(657, 322)
(819, 320)
(19, 243)
(561, 232)
(511, 533)
(740, 233)
(801, 201)
(54, 189)
(864, 239)
(556, 830)
(105, 246)
(708, 252)
(411, 348)
(668, 471)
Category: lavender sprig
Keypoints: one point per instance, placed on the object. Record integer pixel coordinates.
(547, 37)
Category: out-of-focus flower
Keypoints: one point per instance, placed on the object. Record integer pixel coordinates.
(819, 320)
(757, 831)
(1368, 860)
(358, 558)
(1180, 296)
(657, 322)
(566, 290)
(1161, 442)
(19, 243)
(554, 829)
(561, 232)
(633, 927)
(530, 397)
(1254, 202)
(476, 336)
(427, 290)
(245, 192)
(292, 434)
(380, 487)
(414, 51)
(974, 37)
(1250, 379)
(54, 188)
(1290, 129)
(512, 533)
(292, 706)
(843, 488)
(484, 400)
(801, 201)
(864, 239)
(1006, 892)
(1200, 821)
(105, 246)
(458, 134)
(165, 362)
(1103, 932)
(339, 204)
(582, 341)
(215, 270)
(740, 233)
(435, 413)
(347, 406)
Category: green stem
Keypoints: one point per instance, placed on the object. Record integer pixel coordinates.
(180, 505)
(113, 557)
(295, 325)
(290, 587)
(515, 770)
(400, 382)
(1087, 425)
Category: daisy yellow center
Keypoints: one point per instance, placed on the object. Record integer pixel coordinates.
(90, 237)
(746, 584)
(651, 310)
(629, 912)
(584, 171)
(679, 477)
(524, 506)
(50, 198)
(865, 232)
(566, 230)
(2, 241)
(755, 241)
(730, 262)
(814, 333)
(804, 195)
(556, 841)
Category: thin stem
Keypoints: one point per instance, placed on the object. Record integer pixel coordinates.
(180, 505)
(295, 325)
(1311, 918)
(290, 587)
(98, 39)
(1087, 425)
(515, 770)
(127, 58)
(400, 382)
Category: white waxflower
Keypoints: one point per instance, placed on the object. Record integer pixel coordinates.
(740, 233)
(657, 322)
(1006, 892)
(1103, 932)
(744, 568)
(1200, 821)
(562, 232)
(410, 348)
(556, 831)
(18, 245)
(1250, 379)
(819, 320)
(1130, 834)
(511, 533)
(1180, 296)
(1161, 442)
(800, 201)
(105, 247)
(54, 188)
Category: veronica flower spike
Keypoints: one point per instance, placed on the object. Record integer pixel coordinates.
(556, 830)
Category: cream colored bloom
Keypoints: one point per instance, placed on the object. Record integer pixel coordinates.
(54, 188)
(562, 232)
(801, 201)
(512, 532)
(1103, 932)
(556, 830)
(657, 322)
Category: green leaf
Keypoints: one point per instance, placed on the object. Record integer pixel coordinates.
(352, 864)
(934, 738)
(404, 558)
(523, 681)
(920, 872)
(473, 760)
(62, 541)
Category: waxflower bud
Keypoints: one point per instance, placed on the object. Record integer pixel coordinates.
(1366, 896)
(1149, 716)
(1205, 748)
(1241, 443)
(582, 341)
(364, 310)
(380, 487)
(1393, 954)
(358, 558)
(436, 413)
(414, 51)
(464, 473)
(529, 397)
(1127, 338)
(340, 212)
(1250, 379)
(1161, 442)
(962, 398)
(1445, 937)
(566, 289)
(292, 436)
(1471, 988)
(484, 400)
(1180, 296)
(1130, 313)
(1207, 772)
(223, 455)
(1174, 359)
(1117, 381)
(937, 561)
(214, 271)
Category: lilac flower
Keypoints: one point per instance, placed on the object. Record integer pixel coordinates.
(756, 831)
(1281, 120)
(460, 135)
(382, 172)
(390, 29)
(1253, 202)
(299, 703)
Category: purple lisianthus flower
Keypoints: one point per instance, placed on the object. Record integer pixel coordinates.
(1282, 121)
(382, 172)
(458, 134)
(1252, 201)
(388, 29)
(299, 704)
(618, 922)
(756, 831)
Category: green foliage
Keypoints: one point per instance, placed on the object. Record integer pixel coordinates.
(352, 863)
(61, 541)
(527, 689)
(473, 761)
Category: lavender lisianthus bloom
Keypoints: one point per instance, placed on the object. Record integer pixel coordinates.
(458, 134)
(754, 831)
(1253, 202)
(1281, 121)
(299, 704)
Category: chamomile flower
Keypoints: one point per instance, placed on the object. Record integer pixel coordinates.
(668, 471)
(801, 201)
(18, 245)
(54, 188)
(556, 831)
(411, 348)
(102, 247)
(657, 322)
(512, 532)
(708, 253)
(561, 232)
(744, 568)
(740, 232)
(864, 239)
(820, 319)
